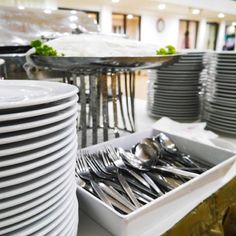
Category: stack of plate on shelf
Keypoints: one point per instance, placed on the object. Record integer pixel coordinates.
(220, 97)
(173, 89)
(37, 157)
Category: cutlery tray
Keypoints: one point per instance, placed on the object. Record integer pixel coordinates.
(156, 217)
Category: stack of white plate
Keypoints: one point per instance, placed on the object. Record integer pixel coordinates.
(37, 157)
(173, 90)
(220, 98)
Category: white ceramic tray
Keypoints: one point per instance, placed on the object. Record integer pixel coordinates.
(160, 215)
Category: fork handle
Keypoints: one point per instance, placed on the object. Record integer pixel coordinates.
(100, 193)
(128, 190)
(138, 177)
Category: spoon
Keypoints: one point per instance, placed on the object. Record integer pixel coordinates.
(140, 164)
(143, 164)
(154, 145)
(145, 154)
(169, 146)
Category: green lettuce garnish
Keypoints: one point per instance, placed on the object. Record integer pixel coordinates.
(42, 49)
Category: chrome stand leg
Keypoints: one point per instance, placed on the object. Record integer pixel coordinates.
(114, 103)
(105, 107)
(127, 102)
(121, 102)
(132, 95)
(83, 112)
(93, 107)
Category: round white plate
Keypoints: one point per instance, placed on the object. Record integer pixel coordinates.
(72, 227)
(37, 132)
(38, 153)
(34, 195)
(52, 220)
(220, 129)
(26, 187)
(38, 112)
(23, 215)
(34, 122)
(54, 213)
(28, 145)
(22, 93)
(223, 118)
(32, 204)
(38, 172)
(31, 165)
(64, 227)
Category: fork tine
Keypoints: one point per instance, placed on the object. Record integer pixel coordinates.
(108, 159)
(113, 155)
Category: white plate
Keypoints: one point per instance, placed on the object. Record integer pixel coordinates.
(39, 111)
(24, 215)
(72, 226)
(65, 226)
(38, 172)
(22, 93)
(34, 122)
(40, 221)
(32, 204)
(31, 165)
(220, 129)
(26, 187)
(28, 145)
(35, 195)
(53, 219)
(38, 153)
(37, 132)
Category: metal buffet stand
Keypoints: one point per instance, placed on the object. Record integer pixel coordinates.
(106, 91)
(106, 85)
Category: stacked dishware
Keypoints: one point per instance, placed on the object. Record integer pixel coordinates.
(37, 158)
(220, 93)
(174, 89)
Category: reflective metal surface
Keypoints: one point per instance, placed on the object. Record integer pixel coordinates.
(119, 63)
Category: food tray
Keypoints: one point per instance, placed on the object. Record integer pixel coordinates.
(157, 217)
(78, 63)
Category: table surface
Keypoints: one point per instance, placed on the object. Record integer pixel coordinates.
(87, 226)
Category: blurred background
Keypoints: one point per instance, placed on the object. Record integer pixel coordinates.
(185, 24)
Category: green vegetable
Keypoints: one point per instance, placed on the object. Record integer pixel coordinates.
(42, 49)
(168, 50)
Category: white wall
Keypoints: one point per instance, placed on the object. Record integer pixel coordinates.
(150, 34)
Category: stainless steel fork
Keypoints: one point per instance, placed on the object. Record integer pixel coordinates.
(119, 163)
(110, 166)
(84, 172)
(108, 189)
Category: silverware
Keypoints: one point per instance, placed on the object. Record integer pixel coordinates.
(115, 171)
(84, 173)
(116, 195)
(119, 163)
(146, 166)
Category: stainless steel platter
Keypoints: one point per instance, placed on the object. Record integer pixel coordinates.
(124, 62)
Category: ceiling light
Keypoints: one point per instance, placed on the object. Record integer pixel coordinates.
(47, 11)
(73, 26)
(221, 15)
(115, 1)
(21, 7)
(195, 11)
(130, 16)
(73, 18)
(161, 6)
(73, 12)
